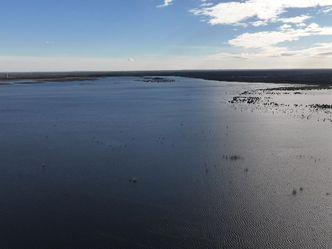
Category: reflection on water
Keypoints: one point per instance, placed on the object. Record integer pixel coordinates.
(123, 163)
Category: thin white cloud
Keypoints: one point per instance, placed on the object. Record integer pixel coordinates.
(272, 38)
(296, 19)
(231, 13)
(317, 51)
(165, 4)
(205, 3)
(320, 50)
(259, 23)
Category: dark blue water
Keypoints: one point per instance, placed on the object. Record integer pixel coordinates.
(208, 176)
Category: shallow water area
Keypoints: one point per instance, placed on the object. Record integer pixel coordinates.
(297, 101)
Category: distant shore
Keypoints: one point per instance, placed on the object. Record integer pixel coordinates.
(309, 76)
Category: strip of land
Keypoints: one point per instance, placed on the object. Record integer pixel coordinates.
(308, 76)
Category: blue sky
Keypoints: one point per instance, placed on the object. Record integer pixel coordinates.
(39, 35)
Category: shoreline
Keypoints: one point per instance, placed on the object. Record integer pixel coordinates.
(309, 76)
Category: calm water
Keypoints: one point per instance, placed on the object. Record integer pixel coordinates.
(209, 175)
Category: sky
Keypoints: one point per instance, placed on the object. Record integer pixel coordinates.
(113, 35)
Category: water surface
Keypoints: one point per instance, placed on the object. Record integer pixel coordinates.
(209, 174)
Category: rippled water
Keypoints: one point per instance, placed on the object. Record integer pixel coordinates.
(208, 174)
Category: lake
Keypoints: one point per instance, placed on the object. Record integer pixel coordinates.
(123, 163)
